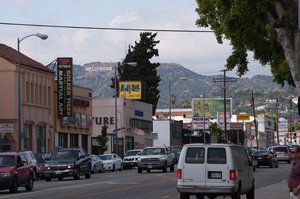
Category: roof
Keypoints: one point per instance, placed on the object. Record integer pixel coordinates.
(10, 55)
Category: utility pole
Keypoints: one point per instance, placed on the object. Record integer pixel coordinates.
(225, 80)
(277, 115)
(255, 122)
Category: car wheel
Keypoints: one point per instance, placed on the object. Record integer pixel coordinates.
(148, 170)
(14, 187)
(95, 169)
(172, 167)
(88, 174)
(272, 164)
(276, 166)
(289, 162)
(102, 169)
(140, 170)
(47, 179)
(251, 193)
(29, 186)
(121, 167)
(237, 195)
(184, 196)
(165, 168)
(77, 175)
(113, 168)
(60, 178)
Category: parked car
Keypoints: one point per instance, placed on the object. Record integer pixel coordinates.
(33, 162)
(214, 170)
(265, 158)
(131, 157)
(97, 164)
(15, 171)
(282, 152)
(41, 160)
(111, 162)
(250, 152)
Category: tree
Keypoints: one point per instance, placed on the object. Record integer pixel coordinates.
(144, 71)
(103, 139)
(267, 28)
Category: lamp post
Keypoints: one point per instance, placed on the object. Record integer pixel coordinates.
(116, 102)
(42, 36)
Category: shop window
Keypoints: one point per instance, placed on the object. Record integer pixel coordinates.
(27, 137)
(41, 139)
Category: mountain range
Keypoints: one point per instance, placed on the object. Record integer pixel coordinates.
(186, 85)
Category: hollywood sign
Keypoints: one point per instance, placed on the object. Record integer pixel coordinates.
(98, 68)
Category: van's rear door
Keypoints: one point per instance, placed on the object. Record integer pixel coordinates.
(217, 170)
(193, 171)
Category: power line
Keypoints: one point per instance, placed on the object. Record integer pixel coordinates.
(105, 28)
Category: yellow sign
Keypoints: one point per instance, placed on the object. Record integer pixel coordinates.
(130, 90)
(243, 116)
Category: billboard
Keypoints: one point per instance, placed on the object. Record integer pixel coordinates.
(200, 123)
(130, 89)
(65, 87)
(209, 107)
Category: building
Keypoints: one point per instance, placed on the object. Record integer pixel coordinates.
(75, 131)
(37, 104)
(134, 124)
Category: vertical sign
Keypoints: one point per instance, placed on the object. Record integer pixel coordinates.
(64, 86)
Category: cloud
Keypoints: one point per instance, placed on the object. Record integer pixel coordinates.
(122, 19)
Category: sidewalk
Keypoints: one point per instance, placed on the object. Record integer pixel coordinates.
(274, 191)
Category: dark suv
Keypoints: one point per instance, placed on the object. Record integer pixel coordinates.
(69, 162)
(15, 172)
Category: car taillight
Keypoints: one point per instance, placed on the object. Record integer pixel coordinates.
(179, 173)
(232, 174)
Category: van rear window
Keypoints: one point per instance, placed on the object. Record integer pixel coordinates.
(195, 155)
(216, 156)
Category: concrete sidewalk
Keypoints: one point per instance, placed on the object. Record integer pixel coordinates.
(274, 191)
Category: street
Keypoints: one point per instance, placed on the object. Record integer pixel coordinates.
(128, 184)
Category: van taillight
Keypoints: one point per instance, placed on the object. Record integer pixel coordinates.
(232, 174)
(179, 173)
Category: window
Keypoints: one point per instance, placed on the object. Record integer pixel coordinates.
(31, 93)
(40, 94)
(49, 97)
(195, 155)
(63, 140)
(27, 92)
(36, 94)
(74, 140)
(27, 136)
(216, 155)
(41, 138)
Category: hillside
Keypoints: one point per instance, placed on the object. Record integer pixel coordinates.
(186, 85)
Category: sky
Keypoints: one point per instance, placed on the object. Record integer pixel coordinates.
(198, 52)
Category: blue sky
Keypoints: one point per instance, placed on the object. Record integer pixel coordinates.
(198, 52)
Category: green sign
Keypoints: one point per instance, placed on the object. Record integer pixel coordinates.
(209, 107)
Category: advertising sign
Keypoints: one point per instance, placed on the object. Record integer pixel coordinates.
(243, 116)
(200, 123)
(130, 90)
(209, 107)
(221, 121)
(64, 87)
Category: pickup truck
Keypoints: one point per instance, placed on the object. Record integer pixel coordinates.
(155, 158)
(68, 162)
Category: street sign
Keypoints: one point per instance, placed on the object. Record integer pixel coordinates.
(243, 116)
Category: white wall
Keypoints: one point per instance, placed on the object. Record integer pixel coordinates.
(162, 128)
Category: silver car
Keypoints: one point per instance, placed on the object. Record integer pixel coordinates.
(282, 153)
(97, 164)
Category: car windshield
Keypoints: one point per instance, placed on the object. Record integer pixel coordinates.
(7, 161)
(105, 157)
(132, 153)
(280, 149)
(153, 151)
(64, 154)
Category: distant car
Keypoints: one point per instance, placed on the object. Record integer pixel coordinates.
(111, 162)
(131, 157)
(265, 158)
(41, 159)
(97, 164)
(282, 153)
(15, 171)
(33, 162)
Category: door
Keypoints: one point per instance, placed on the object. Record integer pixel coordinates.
(193, 171)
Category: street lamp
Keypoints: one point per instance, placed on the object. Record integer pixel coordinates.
(42, 36)
(116, 103)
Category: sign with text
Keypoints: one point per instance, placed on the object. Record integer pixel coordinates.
(130, 90)
(200, 123)
(243, 116)
(221, 121)
(64, 86)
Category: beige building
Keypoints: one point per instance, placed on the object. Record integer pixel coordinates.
(37, 104)
(134, 124)
(76, 131)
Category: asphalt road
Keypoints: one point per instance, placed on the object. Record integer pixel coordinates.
(128, 184)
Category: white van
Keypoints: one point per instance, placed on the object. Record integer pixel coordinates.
(214, 170)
